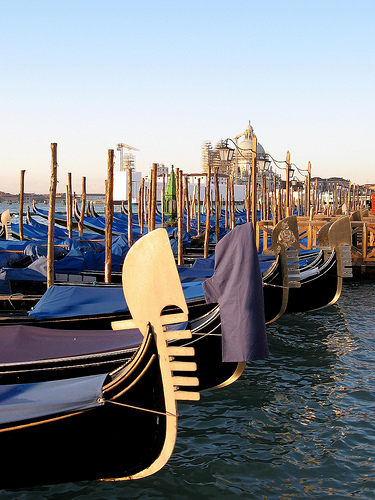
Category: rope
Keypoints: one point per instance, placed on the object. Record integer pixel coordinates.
(276, 286)
(102, 400)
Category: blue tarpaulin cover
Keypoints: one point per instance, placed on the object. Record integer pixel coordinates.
(237, 286)
(20, 402)
(68, 301)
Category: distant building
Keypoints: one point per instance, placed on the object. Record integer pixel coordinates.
(330, 184)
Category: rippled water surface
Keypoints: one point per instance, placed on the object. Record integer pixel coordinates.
(300, 424)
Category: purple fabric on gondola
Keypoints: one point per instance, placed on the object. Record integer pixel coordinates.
(237, 286)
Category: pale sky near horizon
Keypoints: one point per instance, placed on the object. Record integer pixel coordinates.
(164, 76)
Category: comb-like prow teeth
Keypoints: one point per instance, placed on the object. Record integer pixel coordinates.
(183, 366)
(185, 381)
(187, 396)
(175, 350)
(177, 334)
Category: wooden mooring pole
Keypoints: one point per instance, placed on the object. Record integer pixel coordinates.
(130, 207)
(287, 185)
(69, 206)
(83, 208)
(208, 213)
(51, 217)
(254, 185)
(180, 219)
(22, 193)
(108, 218)
(217, 206)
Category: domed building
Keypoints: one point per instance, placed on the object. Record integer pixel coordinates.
(240, 165)
(243, 154)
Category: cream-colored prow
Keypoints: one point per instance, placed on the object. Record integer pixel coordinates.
(5, 217)
(6, 221)
(151, 282)
(150, 260)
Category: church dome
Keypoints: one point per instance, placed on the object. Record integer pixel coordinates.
(247, 144)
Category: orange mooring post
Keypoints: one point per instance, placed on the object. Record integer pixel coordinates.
(373, 203)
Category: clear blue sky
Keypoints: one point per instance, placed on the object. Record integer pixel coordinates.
(165, 75)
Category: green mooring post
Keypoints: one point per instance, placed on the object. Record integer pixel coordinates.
(171, 199)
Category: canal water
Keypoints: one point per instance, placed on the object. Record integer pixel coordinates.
(300, 424)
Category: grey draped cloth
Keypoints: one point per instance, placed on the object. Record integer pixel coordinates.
(237, 287)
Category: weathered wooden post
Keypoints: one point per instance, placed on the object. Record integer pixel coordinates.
(141, 205)
(22, 192)
(279, 203)
(130, 207)
(226, 213)
(308, 190)
(162, 202)
(199, 206)
(232, 204)
(263, 197)
(83, 207)
(287, 185)
(217, 206)
(254, 184)
(108, 218)
(180, 219)
(69, 206)
(153, 201)
(193, 206)
(208, 213)
(51, 217)
(186, 202)
(275, 207)
(149, 203)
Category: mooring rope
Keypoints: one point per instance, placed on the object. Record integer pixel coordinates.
(102, 400)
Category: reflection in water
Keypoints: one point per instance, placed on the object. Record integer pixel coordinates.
(300, 424)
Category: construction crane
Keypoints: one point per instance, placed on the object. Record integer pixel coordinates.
(127, 161)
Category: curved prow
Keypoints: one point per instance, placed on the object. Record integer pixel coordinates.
(152, 256)
(28, 215)
(124, 209)
(356, 216)
(285, 243)
(151, 283)
(323, 240)
(340, 240)
(6, 222)
(77, 212)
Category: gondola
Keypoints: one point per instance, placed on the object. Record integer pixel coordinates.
(109, 426)
(92, 333)
(279, 273)
(321, 284)
(205, 324)
(59, 218)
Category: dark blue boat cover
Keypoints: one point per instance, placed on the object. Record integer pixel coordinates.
(68, 301)
(21, 402)
(22, 344)
(237, 286)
